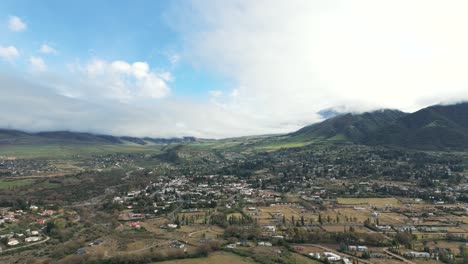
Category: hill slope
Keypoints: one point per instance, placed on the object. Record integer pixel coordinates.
(432, 127)
(348, 127)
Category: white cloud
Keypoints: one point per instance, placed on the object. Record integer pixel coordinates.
(42, 108)
(8, 53)
(291, 59)
(122, 80)
(37, 64)
(16, 24)
(46, 49)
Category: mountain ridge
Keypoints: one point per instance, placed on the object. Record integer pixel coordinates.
(11, 136)
(433, 127)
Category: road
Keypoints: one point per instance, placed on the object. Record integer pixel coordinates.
(172, 214)
(398, 256)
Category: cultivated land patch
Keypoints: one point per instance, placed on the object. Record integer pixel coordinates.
(369, 201)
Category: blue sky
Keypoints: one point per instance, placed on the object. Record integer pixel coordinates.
(223, 68)
(110, 30)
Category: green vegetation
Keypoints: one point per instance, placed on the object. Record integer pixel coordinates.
(11, 184)
(69, 150)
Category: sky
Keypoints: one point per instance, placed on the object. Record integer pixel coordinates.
(216, 69)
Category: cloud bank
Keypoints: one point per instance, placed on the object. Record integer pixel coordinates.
(294, 58)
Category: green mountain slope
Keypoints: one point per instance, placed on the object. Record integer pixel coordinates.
(435, 127)
(349, 127)
(430, 128)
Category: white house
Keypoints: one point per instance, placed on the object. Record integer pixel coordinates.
(418, 254)
(12, 242)
(32, 239)
(331, 256)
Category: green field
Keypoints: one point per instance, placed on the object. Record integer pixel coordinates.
(69, 150)
(7, 184)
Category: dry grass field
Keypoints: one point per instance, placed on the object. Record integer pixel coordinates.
(198, 216)
(341, 228)
(454, 246)
(268, 213)
(392, 219)
(215, 258)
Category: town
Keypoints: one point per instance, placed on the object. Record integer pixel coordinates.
(333, 204)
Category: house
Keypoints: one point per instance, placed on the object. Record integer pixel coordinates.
(12, 242)
(117, 200)
(375, 214)
(408, 228)
(417, 254)
(47, 212)
(331, 256)
(171, 226)
(346, 261)
(81, 251)
(384, 227)
(135, 224)
(231, 246)
(32, 239)
(362, 248)
(177, 244)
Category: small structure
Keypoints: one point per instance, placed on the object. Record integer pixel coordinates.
(177, 244)
(346, 261)
(32, 239)
(270, 228)
(12, 242)
(413, 254)
(81, 251)
(171, 226)
(331, 256)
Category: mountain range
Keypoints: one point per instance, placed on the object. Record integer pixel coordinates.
(434, 127)
(12, 137)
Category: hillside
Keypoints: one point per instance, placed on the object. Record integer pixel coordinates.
(434, 127)
(429, 128)
(348, 127)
